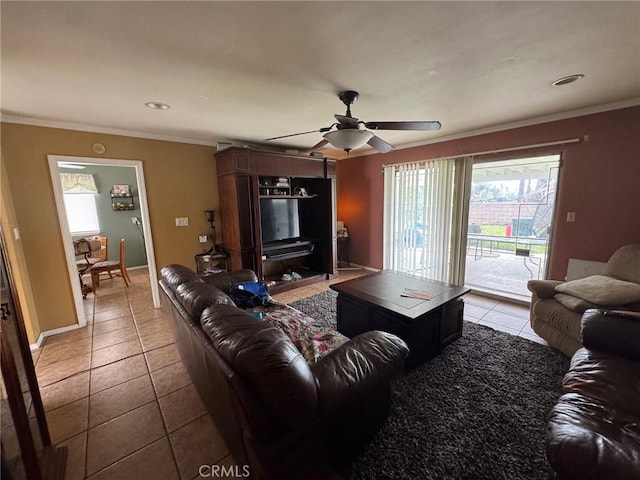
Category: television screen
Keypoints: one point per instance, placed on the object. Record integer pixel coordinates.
(279, 219)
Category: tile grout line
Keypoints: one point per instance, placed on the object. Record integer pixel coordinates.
(155, 393)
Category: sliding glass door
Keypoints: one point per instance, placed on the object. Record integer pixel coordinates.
(509, 223)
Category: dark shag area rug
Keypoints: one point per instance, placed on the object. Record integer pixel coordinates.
(477, 411)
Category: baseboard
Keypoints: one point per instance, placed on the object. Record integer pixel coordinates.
(357, 266)
(48, 333)
(138, 267)
(38, 344)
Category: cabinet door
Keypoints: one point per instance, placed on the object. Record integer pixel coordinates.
(237, 214)
(451, 327)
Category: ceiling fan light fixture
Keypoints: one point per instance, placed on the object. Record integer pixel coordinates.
(348, 139)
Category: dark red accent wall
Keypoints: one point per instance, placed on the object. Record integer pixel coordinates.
(599, 180)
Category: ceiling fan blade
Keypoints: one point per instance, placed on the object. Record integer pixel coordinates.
(322, 130)
(434, 125)
(318, 145)
(380, 145)
(348, 121)
(295, 134)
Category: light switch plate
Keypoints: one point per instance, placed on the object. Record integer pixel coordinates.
(571, 216)
(202, 238)
(182, 221)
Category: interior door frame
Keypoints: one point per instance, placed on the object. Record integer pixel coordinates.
(64, 224)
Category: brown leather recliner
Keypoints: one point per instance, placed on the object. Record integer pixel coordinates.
(594, 430)
(279, 415)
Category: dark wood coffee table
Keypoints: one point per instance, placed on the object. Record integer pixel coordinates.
(374, 302)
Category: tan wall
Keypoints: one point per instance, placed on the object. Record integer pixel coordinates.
(16, 260)
(180, 180)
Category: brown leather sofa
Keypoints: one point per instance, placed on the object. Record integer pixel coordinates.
(594, 429)
(279, 415)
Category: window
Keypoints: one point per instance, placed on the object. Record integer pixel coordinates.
(81, 213)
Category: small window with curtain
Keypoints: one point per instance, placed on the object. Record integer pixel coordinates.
(79, 193)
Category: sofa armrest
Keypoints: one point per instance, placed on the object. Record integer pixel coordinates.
(358, 367)
(612, 331)
(224, 280)
(543, 288)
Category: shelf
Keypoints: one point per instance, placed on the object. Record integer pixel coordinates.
(308, 277)
(122, 201)
(288, 196)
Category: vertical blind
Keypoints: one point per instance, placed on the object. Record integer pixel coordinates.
(418, 215)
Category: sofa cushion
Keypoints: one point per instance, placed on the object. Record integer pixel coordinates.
(558, 317)
(574, 303)
(264, 357)
(196, 296)
(594, 430)
(602, 290)
(174, 275)
(624, 264)
(590, 440)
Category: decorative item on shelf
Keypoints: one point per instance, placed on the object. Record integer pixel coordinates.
(282, 182)
(211, 218)
(300, 191)
(121, 190)
(341, 229)
(121, 198)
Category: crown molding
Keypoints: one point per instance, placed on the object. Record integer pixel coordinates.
(37, 122)
(632, 102)
(213, 143)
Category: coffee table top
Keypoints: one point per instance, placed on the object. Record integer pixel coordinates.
(384, 289)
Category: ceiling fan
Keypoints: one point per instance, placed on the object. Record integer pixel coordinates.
(348, 135)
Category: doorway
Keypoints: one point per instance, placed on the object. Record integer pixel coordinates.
(140, 235)
(510, 222)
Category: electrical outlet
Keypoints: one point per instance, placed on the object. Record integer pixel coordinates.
(134, 220)
(182, 221)
(202, 238)
(571, 216)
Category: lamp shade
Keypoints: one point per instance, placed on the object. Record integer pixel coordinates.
(348, 139)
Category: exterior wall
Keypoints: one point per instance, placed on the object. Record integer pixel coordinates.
(180, 180)
(498, 214)
(599, 181)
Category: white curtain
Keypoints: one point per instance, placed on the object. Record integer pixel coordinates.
(418, 218)
(78, 183)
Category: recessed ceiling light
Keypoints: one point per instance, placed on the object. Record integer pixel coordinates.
(157, 106)
(567, 80)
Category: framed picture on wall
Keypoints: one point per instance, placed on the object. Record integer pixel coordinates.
(121, 190)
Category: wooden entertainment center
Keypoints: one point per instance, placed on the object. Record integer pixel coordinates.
(278, 215)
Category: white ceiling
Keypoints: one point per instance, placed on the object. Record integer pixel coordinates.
(246, 71)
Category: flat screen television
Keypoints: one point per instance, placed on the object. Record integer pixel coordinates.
(279, 219)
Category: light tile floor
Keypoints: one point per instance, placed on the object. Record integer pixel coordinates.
(116, 394)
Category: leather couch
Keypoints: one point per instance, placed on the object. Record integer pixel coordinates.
(557, 307)
(281, 416)
(594, 429)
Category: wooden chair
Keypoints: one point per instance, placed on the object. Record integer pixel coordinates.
(98, 250)
(109, 266)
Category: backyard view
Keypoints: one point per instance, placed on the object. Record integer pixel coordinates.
(510, 217)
